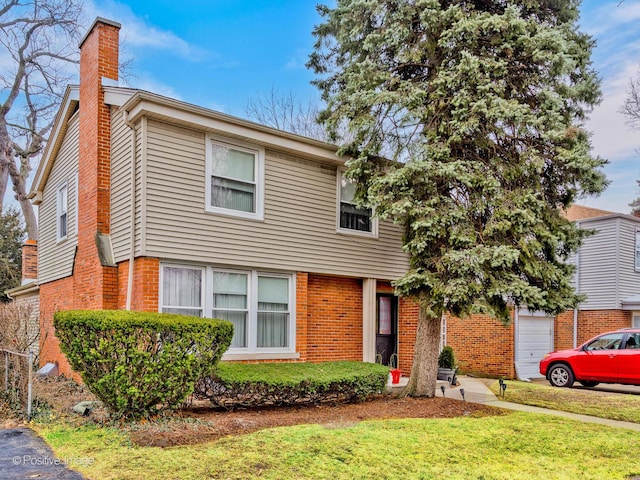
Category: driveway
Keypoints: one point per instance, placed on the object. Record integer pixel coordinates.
(24, 455)
(603, 387)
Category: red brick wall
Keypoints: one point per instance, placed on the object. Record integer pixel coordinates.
(30, 260)
(590, 324)
(563, 331)
(482, 345)
(407, 328)
(595, 322)
(302, 314)
(146, 282)
(54, 296)
(334, 319)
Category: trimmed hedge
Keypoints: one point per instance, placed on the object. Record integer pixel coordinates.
(277, 384)
(138, 363)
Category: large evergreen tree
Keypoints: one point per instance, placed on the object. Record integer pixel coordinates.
(11, 238)
(480, 107)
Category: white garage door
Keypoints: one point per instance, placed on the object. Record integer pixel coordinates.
(534, 340)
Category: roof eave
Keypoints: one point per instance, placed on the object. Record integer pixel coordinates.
(69, 101)
(144, 103)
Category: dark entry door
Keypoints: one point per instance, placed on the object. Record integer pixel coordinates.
(386, 327)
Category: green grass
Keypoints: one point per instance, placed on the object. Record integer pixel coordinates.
(514, 446)
(585, 402)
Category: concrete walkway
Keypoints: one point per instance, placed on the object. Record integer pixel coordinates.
(476, 390)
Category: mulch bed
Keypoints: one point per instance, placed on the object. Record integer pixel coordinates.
(201, 423)
(204, 424)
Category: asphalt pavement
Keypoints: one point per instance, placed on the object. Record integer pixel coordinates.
(24, 455)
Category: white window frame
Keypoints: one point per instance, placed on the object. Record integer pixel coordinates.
(635, 320)
(374, 220)
(259, 156)
(251, 351)
(162, 306)
(209, 304)
(62, 210)
(637, 251)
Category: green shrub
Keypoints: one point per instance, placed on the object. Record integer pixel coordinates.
(139, 362)
(447, 358)
(275, 384)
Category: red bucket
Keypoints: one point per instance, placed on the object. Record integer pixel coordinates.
(395, 375)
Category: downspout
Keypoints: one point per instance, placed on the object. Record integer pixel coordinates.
(132, 232)
(516, 328)
(575, 310)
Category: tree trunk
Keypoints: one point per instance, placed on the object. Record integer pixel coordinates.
(6, 156)
(424, 371)
(20, 188)
(4, 181)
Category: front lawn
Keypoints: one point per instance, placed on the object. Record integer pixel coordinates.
(514, 446)
(586, 402)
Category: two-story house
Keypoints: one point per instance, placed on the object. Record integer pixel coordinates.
(607, 275)
(149, 203)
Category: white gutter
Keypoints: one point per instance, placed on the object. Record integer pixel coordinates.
(132, 232)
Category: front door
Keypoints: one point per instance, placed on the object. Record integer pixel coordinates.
(387, 328)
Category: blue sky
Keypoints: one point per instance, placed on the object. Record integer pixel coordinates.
(219, 54)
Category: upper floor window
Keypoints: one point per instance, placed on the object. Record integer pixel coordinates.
(350, 217)
(638, 250)
(234, 179)
(62, 212)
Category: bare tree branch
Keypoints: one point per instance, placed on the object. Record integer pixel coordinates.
(631, 106)
(631, 110)
(40, 36)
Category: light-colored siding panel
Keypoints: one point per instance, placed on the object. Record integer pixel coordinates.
(298, 232)
(120, 185)
(121, 178)
(598, 266)
(629, 278)
(55, 260)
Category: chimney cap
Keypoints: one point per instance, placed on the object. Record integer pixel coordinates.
(102, 20)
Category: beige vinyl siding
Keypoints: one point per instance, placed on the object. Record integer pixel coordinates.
(628, 277)
(55, 260)
(298, 232)
(599, 265)
(121, 185)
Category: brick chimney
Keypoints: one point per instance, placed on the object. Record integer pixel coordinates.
(95, 283)
(29, 261)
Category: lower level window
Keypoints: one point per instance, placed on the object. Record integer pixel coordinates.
(273, 312)
(258, 304)
(182, 290)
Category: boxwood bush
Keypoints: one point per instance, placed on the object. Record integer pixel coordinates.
(138, 363)
(275, 384)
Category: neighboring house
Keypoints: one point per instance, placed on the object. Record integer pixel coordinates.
(149, 203)
(607, 274)
(26, 296)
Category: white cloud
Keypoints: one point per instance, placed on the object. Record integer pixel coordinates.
(137, 32)
(612, 138)
(152, 85)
